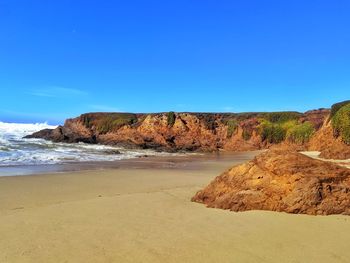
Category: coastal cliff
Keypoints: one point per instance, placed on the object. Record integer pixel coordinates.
(188, 131)
(324, 130)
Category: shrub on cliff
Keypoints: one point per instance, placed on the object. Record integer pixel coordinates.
(341, 123)
(171, 118)
(232, 126)
(208, 120)
(108, 122)
(300, 133)
(337, 106)
(280, 117)
(247, 134)
(272, 132)
(249, 126)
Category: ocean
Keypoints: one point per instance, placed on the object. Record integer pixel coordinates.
(17, 151)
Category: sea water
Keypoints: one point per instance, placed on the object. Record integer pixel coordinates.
(18, 151)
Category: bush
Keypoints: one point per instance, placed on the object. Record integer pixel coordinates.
(232, 126)
(247, 134)
(341, 123)
(209, 120)
(171, 118)
(271, 132)
(300, 133)
(107, 122)
(280, 117)
(337, 106)
(289, 125)
(86, 120)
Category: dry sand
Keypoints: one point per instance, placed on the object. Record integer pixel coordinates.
(144, 215)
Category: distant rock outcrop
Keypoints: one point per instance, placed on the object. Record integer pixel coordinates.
(279, 180)
(189, 131)
(333, 138)
(331, 147)
(324, 130)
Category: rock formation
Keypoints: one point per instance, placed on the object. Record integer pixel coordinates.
(180, 131)
(280, 180)
(331, 147)
(324, 130)
(333, 138)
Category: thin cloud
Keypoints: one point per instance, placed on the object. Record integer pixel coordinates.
(57, 92)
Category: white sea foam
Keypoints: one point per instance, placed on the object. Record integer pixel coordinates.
(19, 130)
(15, 150)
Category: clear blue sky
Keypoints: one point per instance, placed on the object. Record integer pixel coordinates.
(62, 58)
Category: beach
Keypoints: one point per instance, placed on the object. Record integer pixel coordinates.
(140, 211)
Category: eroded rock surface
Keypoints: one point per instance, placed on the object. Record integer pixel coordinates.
(313, 130)
(175, 131)
(331, 147)
(279, 180)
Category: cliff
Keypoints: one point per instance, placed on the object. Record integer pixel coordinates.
(284, 181)
(327, 131)
(333, 138)
(185, 131)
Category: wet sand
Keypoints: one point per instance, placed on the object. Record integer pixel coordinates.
(143, 213)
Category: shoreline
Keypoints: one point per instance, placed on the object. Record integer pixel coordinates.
(144, 214)
(138, 162)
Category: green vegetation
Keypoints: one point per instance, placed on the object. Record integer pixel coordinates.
(341, 122)
(232, 126)
(291, 130)
(108, 122)
(337, 106)
(171, 118)
(271, 132)
(247, 134)
(86, 120)
(273, 126)
(300, 133)
(208, 120)
(283, 116)
(289, 124)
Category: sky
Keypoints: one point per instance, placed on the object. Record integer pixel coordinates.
(59, 59)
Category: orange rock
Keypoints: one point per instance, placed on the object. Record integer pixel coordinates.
(191, 132)
(280, 180)
(329, 146)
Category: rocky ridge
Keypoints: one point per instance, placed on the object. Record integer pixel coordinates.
(313, 130)
(175, 131)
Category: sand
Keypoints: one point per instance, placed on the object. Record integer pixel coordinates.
(143, 214)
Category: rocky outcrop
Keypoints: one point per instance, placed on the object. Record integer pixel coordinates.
(331, 147)
(316, 117)
(72, 131)
(177, 131)
(333, 138)
(279, 180)
(312, 130)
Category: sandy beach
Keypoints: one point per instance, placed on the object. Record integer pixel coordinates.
(143, 213)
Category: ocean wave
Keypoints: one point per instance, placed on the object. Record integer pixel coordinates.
(19, 130)
(15, 150)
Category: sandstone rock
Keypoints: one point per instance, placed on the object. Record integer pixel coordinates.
(329, 146)
(193, 132)
(280, 180)
(316, 117)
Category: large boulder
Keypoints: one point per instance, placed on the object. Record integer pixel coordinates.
(280, 180)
